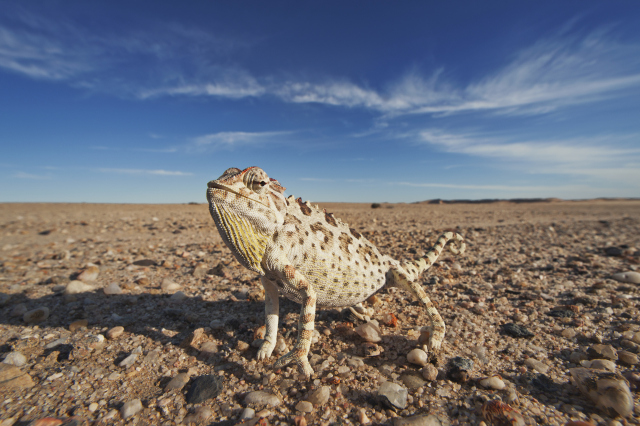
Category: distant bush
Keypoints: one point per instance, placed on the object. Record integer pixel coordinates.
(375, 205)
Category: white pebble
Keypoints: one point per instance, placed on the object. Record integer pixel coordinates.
(493, 382)
(418, 356)
(369, 332)
(112, 288)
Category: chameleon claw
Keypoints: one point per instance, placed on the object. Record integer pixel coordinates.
(266, 349)
(300, 360)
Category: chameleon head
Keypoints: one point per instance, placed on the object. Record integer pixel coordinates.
(247, 207)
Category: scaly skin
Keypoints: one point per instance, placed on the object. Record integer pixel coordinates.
(309, 256)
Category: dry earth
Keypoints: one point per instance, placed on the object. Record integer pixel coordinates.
(187, 310)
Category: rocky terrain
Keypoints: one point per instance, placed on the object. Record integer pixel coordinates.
(138, 314)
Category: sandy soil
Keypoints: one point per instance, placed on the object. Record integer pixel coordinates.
(189, 310)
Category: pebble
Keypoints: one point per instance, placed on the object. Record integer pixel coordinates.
(299, 421)
(421, 420)
(204, 388)
(609, 392)
(392, 394)
(539, 366)
(627, 277)
(320, 396)
(93, 407)
(115, 332)
(371, 349)
(518, 331)
(131, 408)
(128, 361)
(262, 398)
(18, 310)
(493, 382)
(35, 316)
(627, 357)
(418, 357)
(77, 325)
(15, 358)
(412, 381)
(304, 406)
(369, 332)
(247, 414)
(569, 333)
(600, 364)
(577, 357)
(177, 297)
(169, 285)
(362, 417)
(112, 288)
(602, 351)
(75, 287)
(90, 274)
(199, 416)
(11, 377)
(499, 413)
(177, 382)
(429, 372)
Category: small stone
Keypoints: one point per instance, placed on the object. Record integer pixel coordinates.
(262, 398)
(600, 364)
(304, 406)
(200, 270)
(77, 325)
(152, 356)
(36, 315)
(75, 287)
(636, 338)
(429, 372)
(247, 414)
(355, 362)
(15, 358)
(242, 346)
(607, 390)
(418, 357)
(47, 421)
(568, 333)
(128, 361)
(11, 377)
(93, 407)
(177, 297)
(112, 288)
(144, 262)
(115, 332)
(517, 331)
(627, 277)
(204, 388)
(421, 420)
(299, 421)
(143, 281)
(613, 251)
(177, 382)
(369, 332)
(90, 274)
(208, 348)
(602, 351)
(200, 415)
(539, 366)
(169, 286)
(493, 382)
(320, 396)
(412, 381)
(19, 310)
(362, 417)
(131, 408)
(576, 357)
(627, 357)
(393, 395)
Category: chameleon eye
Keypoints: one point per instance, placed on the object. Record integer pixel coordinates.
(263, 183)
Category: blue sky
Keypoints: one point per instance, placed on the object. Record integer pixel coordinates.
(340, 101)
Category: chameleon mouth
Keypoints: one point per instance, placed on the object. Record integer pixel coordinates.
(213, 186)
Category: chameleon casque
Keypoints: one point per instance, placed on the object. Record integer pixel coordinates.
(309, 256)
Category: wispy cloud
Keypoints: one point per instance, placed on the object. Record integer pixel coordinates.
(607, 157)
(554, 72)
(218, 140)
(23, 175)
(159, 172)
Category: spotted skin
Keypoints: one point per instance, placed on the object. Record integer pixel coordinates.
(309, 256)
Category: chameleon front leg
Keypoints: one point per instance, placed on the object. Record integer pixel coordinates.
(271, 307)
(300, 351)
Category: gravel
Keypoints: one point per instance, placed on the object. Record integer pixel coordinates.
(541, 266)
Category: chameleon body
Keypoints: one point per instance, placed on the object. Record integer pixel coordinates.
(309, 256)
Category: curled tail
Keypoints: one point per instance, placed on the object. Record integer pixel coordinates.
(456, 246)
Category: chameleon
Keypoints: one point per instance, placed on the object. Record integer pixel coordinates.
(309, 256)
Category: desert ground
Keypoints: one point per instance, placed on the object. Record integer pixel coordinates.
(139, 314)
